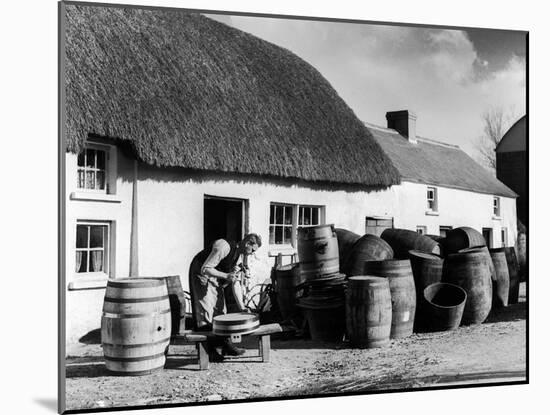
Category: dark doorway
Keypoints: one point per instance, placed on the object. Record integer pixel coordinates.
(488, 235)
(223, 218)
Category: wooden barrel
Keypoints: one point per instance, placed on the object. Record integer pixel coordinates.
(427, 269)
(326, 322)
(318, 251)
(177, 300)
(483, 249)
(403, 240)
(346, 240)
(368, 311)
(470, 271)
(287, 279)
(443, 306)
(235, 323)
(513, 272)
(501, 280)
(461, 238)
(367, 248)
(403, 293)
(135, 325)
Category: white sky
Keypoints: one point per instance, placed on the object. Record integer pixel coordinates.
(443, 75)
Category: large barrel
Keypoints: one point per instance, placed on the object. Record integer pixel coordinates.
(513, 272)
(287, 278)
(346, 240)
(403, 293)
(177, 300)
(470, 271)
(501, 279)
(403, 240)
(443, 306)
(235, 323)
(135, 325)
(318, 251)
(483, 249)
(427, 269)
(368, 311)
(462, 237)
(367, 248)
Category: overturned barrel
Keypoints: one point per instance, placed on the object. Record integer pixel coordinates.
(461, 238)
(346, 240)
(368, 311)
(367, 248)
(318, 251)
(443, 306)
(403, 292)
(470, 271)
(403, 240)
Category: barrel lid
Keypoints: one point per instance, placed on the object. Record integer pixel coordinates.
(236, 317)
(135, 282)
(369, 279)
(287, 267)
(425, 255)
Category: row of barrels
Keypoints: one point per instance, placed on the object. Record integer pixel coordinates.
(440, 292)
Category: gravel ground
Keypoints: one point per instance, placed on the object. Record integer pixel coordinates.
(492, 352)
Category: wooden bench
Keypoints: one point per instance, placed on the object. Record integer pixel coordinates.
(263, 333)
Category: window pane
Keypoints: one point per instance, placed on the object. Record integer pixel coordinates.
(96, 261)
(278, 234)
(83, 259)
(287, 234)
(80, 161)
(272, 235)
(271, 214)
(81, 236)
(100, 159)
(81, 182)
(288, 215)
(90, 158)
(90, 180)
(100, 183)
(96, 236)
(279, 214)
(315, 216)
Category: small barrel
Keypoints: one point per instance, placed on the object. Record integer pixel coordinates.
(461, 238)
(403, 292)
(318, 251)
(135, 325)
(403, 240)
(326, 322)
(368, 311)
(346, 240)
(443, 306)
(367, 248)
(287, 279)
(235, 323)
(427, 269)
(470, 271)
(177, 300)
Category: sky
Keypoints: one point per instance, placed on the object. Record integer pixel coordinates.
(449, 78)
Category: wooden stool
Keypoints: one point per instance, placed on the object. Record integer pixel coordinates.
(200, 339)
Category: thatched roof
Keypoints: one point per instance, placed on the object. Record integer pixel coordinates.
(436, 163)
(186, 91)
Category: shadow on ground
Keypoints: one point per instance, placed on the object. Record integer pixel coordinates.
(512, 312)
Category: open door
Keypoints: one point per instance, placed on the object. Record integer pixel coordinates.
(223, 218)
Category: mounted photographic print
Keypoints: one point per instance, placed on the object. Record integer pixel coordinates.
(266, 207)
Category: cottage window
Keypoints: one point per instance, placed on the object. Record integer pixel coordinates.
(432, 199)
(422, 230)
(285, 219)
(496, 206)
(504, 237)
(92, 248)
(92, 170)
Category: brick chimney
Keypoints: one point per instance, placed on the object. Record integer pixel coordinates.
(404, 122)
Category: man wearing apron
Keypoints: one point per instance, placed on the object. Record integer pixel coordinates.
(210, 272)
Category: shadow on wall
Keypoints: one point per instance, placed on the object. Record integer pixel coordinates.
(92, 337)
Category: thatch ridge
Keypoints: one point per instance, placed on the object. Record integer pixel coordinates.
(440, 164)
(188, 91)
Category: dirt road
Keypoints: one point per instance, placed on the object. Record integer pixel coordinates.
(492, 352)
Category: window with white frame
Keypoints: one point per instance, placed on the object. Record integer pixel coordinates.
(504, 237)
(92, 163)
(496, 206)
(422, 230)
(285, 219)
(432, 199)
(92, 248)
